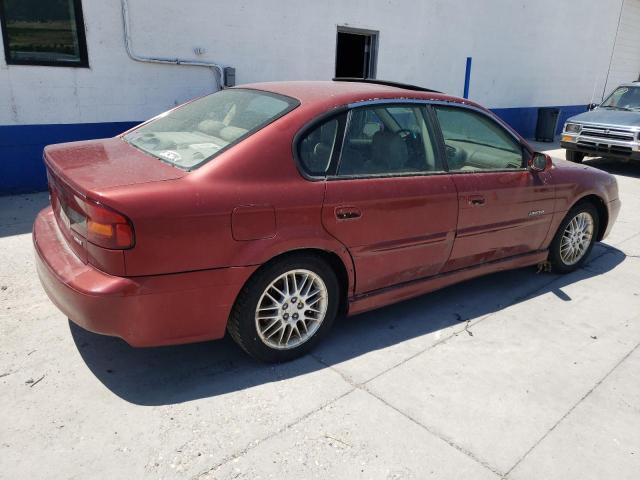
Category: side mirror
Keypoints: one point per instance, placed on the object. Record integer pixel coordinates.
(592, 106)
(540, 162)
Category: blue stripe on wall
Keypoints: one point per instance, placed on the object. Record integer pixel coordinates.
(21, 166)
(524, 119)
(22, 169)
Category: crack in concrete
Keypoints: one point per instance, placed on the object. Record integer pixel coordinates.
(436, 434)
(251, 445)
(622, 241)
(568, 412)
(468, 323)
(362, 386)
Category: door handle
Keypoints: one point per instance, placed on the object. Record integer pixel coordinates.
(347, 213)
(476, 200)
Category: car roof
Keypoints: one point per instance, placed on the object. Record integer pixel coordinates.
(331, 93)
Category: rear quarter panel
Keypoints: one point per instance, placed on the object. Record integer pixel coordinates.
(186, 224)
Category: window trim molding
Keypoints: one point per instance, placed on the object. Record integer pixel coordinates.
(339, 114)
(80, 31)
(445, 103)
(432, 122)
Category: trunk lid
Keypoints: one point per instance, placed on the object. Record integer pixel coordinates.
(81, 172)
(96, 165)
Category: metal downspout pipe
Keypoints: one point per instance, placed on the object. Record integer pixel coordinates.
(215, 68)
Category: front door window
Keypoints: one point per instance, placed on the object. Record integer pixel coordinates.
(474, 142)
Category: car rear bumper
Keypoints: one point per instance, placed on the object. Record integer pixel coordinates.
(601, 152)
(144, 311)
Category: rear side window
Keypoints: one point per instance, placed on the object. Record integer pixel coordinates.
(193, 134)
(388, 140)
(474, 142)
(316, 148)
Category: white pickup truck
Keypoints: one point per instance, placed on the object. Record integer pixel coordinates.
(611, 129)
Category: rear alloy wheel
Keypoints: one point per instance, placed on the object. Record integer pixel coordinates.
(574, 156)
(291, 309)
(285, 309)
(575, 238)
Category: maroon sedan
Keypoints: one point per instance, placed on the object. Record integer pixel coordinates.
(268, 210)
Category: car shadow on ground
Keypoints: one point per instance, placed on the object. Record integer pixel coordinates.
(615, 167)
(169, 375)
(18, 212)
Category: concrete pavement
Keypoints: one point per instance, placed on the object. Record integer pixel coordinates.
(516, 375)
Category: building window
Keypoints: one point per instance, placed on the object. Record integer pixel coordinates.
(37, 32)
(356, 52)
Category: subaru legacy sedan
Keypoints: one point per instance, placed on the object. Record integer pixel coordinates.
(268, 210)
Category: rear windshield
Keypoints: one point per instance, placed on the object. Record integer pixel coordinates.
(193, 134)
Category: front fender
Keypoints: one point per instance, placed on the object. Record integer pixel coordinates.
(575, 183)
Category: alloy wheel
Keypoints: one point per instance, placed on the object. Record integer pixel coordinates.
(576, 238)
(291, 309)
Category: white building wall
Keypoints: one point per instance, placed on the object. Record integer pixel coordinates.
(114, 88)
(547, 52)
(625, 63)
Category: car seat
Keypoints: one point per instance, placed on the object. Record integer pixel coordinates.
(389, 153)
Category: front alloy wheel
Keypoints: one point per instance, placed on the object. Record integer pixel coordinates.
(575, 238)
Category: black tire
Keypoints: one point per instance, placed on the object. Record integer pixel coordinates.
(242, 324)
(574, 156)
(555, 258)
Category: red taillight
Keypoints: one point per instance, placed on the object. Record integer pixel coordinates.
(103, 226)
(97, 223)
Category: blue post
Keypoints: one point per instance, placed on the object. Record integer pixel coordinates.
(467, 78)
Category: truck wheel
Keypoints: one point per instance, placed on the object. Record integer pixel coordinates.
(285, 309)
(574, 156)
(575, 238)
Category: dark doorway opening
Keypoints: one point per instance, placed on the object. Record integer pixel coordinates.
(356, 53)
